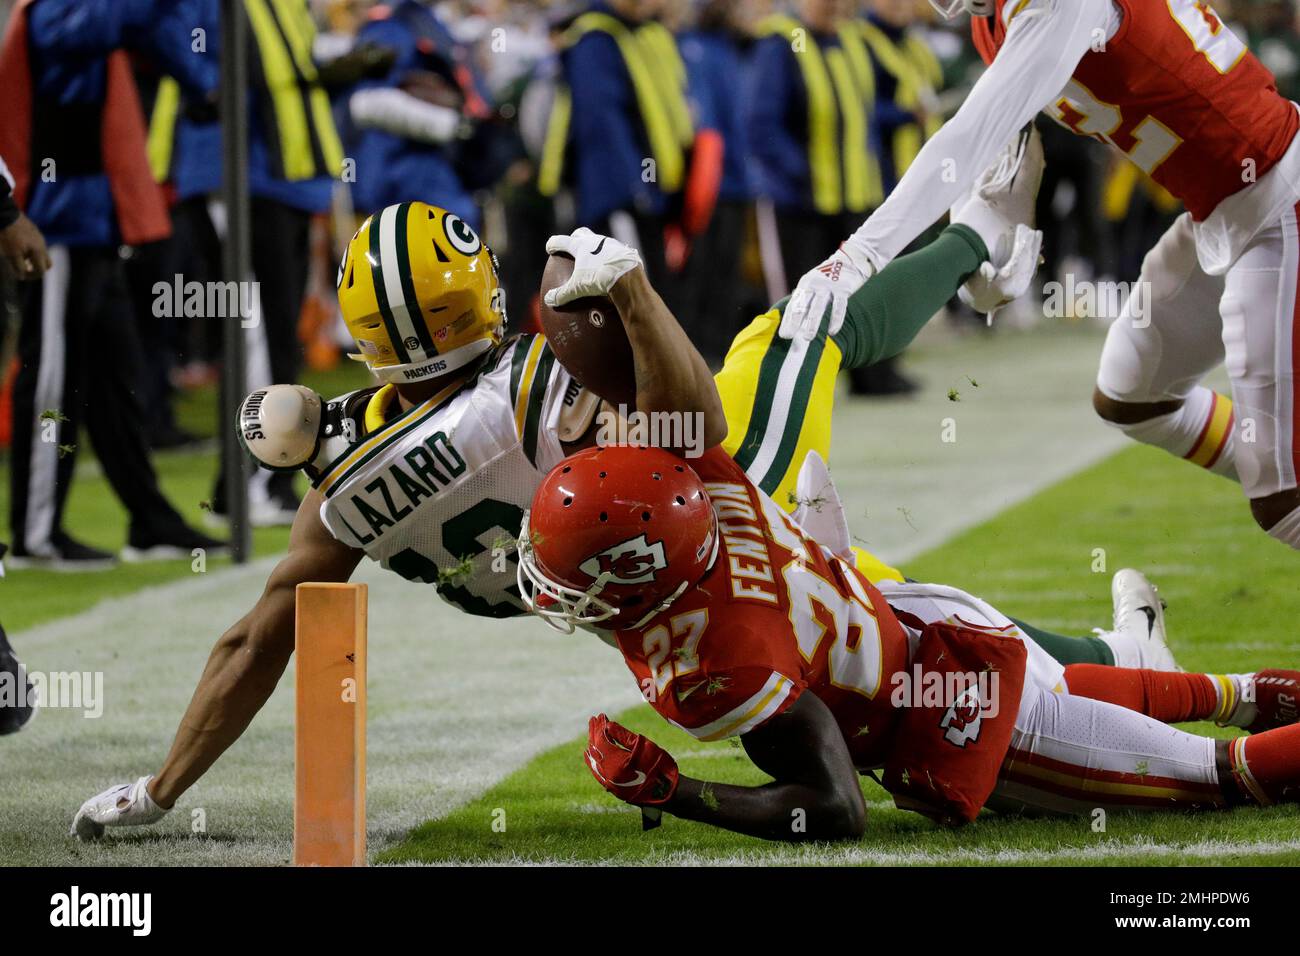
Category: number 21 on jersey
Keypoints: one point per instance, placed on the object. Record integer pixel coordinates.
(1149, 142)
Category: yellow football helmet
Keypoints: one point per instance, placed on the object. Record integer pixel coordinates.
(419, 293)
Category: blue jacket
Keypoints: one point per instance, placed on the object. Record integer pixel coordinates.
(777, 119)
(716, 67)
(68, 42)
(607, 145)
(196, 163)
(391, 169)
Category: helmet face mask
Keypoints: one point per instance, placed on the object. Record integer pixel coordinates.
(559, 605)
(951, 9)
(615, 535)
(419, 293)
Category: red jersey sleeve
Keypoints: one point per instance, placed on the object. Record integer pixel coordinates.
(720, 680)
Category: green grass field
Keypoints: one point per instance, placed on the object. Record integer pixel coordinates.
(451, 696)
(1232, 594)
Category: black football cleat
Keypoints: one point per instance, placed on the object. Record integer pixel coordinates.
(63, 553)
(179, 542)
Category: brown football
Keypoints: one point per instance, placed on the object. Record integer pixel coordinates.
(589, 339)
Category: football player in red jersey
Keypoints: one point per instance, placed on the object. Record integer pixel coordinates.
(735, 622)
(1172, 88)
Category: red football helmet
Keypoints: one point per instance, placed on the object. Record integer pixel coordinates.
(614, 536)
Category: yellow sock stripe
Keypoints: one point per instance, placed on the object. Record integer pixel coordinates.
(1206, 450)
(1241, 769)
(526, 383)
(1227, 698)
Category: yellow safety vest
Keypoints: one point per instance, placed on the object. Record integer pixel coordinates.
(303, 140)
(659, 82)
(841, 93)
(162, 128)
(918, 74)
(659, 40)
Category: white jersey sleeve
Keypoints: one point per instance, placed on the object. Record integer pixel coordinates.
(437, 493)
(1045, 41)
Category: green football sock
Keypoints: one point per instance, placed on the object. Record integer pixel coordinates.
(1070, 650)
(885, 315)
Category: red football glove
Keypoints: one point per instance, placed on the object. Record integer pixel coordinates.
(631, 767)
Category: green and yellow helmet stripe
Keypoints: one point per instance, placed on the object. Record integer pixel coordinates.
(410, 299)
(377, 270)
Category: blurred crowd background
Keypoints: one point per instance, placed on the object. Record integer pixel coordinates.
(735, 142)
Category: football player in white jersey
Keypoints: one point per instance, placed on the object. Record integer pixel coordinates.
(429, 472)
(1171, 87)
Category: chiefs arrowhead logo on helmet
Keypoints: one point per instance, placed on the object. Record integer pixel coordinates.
(635, 561)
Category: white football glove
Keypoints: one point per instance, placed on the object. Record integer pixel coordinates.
(598, 263)
(125, 805)
(1000, 208)
(990, 288)
(828, 286)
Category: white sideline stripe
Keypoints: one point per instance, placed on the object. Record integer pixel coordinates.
(1127, 850)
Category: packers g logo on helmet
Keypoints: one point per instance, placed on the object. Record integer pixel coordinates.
(419, 293)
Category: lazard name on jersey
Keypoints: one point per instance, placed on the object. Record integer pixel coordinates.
(437, 493)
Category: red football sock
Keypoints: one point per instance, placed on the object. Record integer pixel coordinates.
(1266, 767)
(1165, 695)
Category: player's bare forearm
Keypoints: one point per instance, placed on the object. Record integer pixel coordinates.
(777, 811)
(671, 375)
(815, 793)
(242, 671)
(249, 659)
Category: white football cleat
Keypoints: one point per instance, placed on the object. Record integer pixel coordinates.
(820, 511)
(1138, 638)
(123, 805)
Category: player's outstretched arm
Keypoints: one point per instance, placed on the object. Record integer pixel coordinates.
(242, 671)
(249, 659)
(1044, 44)
(814, 796)
(671, 375)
